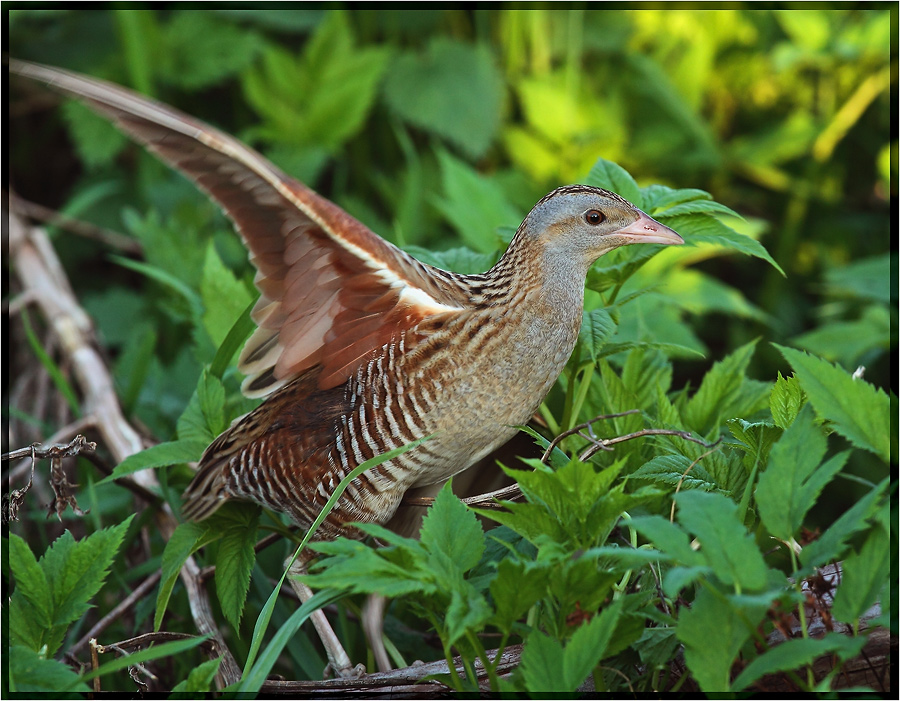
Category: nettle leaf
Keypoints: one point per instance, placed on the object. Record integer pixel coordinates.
(719, 391)
(597, 326)
(831, 545)
(612, 176)
(792, 655)
(793, 479)
(698, 207)
(668, 537)
(724, 542)
(756, 439)
(703, 228)
(657, 198)
(474, 205)
(186, 539)
(32, 673)
(864, 574)
(224, 297)
(96, 141)
(200, 679)
(453, 90)
(54, 591)
(204, 417)
(235, 558)
(713, 631)
(519, 585)
(452, 529)
(857, 409)
(162, 455)
(786, 399)
(672, 470)
(547, 666)
(468, 611)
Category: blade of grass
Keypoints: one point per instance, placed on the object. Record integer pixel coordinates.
(62, 384)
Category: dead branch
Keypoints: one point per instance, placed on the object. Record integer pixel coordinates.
(42, 275)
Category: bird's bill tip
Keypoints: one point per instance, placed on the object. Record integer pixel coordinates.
(645, 229)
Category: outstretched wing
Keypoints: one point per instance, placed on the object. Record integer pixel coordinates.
(331, 291)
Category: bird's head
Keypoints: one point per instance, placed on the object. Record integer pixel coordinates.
(579, 223)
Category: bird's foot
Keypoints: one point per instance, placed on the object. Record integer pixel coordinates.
(357, 672)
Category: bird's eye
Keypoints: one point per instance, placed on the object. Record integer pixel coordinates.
(594, 217)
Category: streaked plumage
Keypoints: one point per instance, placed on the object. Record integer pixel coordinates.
(360, 348)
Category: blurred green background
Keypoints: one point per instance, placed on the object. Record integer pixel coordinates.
(441, 127)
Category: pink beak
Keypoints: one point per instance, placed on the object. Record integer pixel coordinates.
(648, 230)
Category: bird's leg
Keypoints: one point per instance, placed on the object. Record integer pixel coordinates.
(373, 625)
(338, 660)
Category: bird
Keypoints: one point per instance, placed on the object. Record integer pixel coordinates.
(360, 348)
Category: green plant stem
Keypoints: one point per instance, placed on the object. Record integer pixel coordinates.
(486, 663)
(801, 614)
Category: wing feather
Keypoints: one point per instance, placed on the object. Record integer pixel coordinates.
(321, 273)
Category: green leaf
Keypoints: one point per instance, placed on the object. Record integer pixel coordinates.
(224, 297)
(793, 479)
(864, 575)
(832, 543)
(672, 470)
(848, 341)
(859, 411)
(611, 176)
(166, 279)
(786, 399)
(788, 656)
(468, 612)
(713, 631)
(31, 582)
(698, 207)
(697, 228)
(516, 588)
(474, 205)
(96, 141)
(862, 279)
(31, 673)
(453, 90)
(201, 50)
(200, 679)
(718, 391)
(453, 530)
(186, 539)
(235, 560)
(162, 455)
(724, 542)
(76, 570)
(548, 667)
(597, 326)
(459, 260)
(667, 537)
(234, 339)
(657, 198)
(204, 417)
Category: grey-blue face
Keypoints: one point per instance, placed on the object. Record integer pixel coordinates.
(579, 221)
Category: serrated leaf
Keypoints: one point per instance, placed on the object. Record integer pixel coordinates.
(859, 411)
(452, 529)
(668, 538)
(97, 142)
(702, 228)
(31, 673)
(200, 679)
(713, 631)
(724, 542)
(474, 205)
(718, 391)
(162, 455)
(458, 260)
(788, 656)
(831, 545)
(186, 539)
(516, 588)
(468, 611)
(453, 90)
(785, 400)
(612, 176)
(790, 484)
(698, 207)
(597, 326)
(660, 197)
(756, 440)
(224, 296)
(864, 575)
(31, 582)
(204, 417)
(673, 470)
(234, 562)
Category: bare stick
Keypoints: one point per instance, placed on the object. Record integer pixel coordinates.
(41, 274)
